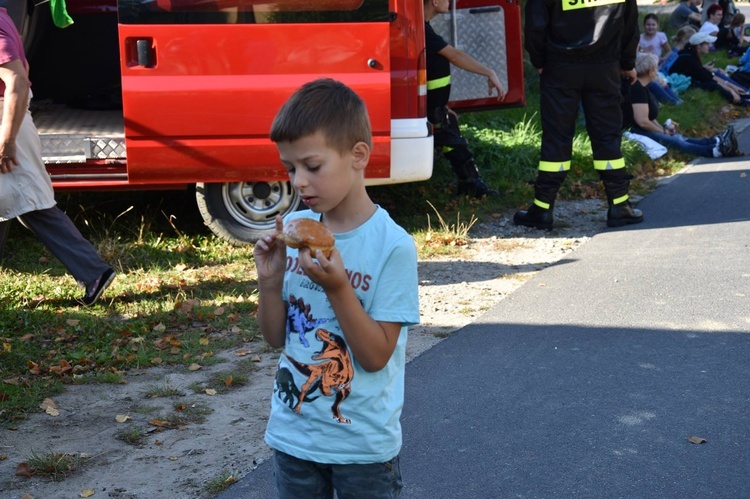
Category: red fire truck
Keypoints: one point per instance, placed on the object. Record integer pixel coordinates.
(165, 94)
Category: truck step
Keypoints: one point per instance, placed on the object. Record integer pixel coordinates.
(75, 135)
(73, 148)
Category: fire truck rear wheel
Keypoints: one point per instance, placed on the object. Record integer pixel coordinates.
(242, 212)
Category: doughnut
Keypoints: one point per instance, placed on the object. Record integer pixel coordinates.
(308, 233)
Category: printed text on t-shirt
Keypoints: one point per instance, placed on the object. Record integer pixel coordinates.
(357, 279)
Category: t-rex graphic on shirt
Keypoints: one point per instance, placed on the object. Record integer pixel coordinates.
(332, 376)
(287, 390)
(301, 320)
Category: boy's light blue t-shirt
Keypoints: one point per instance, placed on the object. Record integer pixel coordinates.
(347, 415)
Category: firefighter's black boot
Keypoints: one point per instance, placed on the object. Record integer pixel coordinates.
(535, 217)
(623, 214)
(616, 185)
(469, 182)
(546, 186)
(474, 187)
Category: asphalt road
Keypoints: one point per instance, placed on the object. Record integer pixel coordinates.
(590, 379)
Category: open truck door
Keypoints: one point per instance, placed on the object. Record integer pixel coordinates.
(489, 31)
(203, 79)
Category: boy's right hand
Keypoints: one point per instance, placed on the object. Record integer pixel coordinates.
(270, 254)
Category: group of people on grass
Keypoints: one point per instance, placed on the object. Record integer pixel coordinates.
(658, 63)
(719, 27)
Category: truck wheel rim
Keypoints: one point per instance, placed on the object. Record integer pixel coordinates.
(256, 204)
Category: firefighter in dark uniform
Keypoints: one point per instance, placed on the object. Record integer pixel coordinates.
(448, 140)
(582, 50)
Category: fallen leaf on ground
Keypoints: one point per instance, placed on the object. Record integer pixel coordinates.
(3, 457)
(25, 470)
(195, 367)
(47, 403)
(255, 358)
(121, 418)
(696, 440)
(210, 391)
(160, 328)
(228, 381)
(26, 495)
(52, 411)
(87, 493)
(63, 368)
(242, 352)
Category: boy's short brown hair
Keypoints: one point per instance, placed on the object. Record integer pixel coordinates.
(327, 106)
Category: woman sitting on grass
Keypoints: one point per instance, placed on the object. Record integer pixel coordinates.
(679, 42)
(742, 75)
(735, 36)
(713, 25)
(689, 63)
(641, 111)
(652, 40)
(655, 42)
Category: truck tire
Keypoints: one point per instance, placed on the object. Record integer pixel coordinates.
(242, 212)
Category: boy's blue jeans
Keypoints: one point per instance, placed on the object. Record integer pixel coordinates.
(297, 478)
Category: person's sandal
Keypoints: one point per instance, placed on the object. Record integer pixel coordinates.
(95, 289)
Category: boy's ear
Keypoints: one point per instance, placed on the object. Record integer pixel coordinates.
(361, 155)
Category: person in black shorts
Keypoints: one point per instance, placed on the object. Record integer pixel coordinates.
(448, 139)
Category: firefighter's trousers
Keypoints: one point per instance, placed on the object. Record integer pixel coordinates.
(565, 86)
(453, 146)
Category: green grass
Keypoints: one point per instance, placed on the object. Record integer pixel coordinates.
(132, 436)
(220, 483)
(54, 465)
(181, 295)
(163, 391)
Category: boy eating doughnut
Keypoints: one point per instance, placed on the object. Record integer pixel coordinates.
(342, 320)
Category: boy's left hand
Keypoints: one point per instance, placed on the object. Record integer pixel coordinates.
(326, 272)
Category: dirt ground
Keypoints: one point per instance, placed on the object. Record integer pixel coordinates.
(183, 461)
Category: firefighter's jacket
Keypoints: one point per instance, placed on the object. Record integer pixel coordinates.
(582, 31)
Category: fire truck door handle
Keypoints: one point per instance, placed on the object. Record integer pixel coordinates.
(374, 64)
(485, 10)
(145, 52)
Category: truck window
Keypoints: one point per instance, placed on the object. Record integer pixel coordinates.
(252, 11)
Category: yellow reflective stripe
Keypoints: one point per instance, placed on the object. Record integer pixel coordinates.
(439, 83)
(541, 204)
(621, 199)
(609, 164)
(586, 4)
(556, 166)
